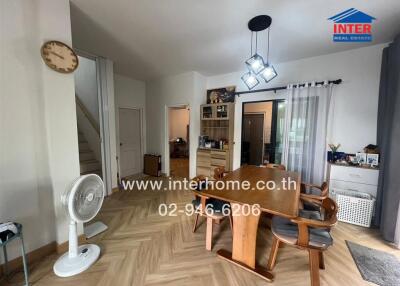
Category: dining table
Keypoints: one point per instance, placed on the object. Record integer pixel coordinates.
(249, 198)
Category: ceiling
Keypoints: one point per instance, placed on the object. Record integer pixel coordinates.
(153, 38)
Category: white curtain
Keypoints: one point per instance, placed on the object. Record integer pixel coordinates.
(307, 121)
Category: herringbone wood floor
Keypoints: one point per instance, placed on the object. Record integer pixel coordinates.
(143, 248)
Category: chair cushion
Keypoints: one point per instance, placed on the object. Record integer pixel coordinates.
(311, 207)
(313, 191)
(285, 229)
(216, 205)
(8, 231)
(310, 214)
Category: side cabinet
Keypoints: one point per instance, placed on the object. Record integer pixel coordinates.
(203, 162)
(209, 159)
(350, 178)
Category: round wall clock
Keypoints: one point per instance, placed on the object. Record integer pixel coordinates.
(59, 57)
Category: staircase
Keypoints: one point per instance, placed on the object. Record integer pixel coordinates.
(87, 161)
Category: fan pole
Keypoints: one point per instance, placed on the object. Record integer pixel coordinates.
(73, 240)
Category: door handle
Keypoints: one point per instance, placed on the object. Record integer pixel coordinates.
(120, 144)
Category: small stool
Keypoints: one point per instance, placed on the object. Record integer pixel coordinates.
(3, 244)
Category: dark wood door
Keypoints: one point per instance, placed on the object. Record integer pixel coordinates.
(253, 135)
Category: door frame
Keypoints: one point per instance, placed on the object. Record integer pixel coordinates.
(104, 116)
(141, 115)
(273, 120)
(166, 138)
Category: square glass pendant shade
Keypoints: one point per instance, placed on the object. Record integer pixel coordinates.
(250, 80)
(268, 73)
(255, 64)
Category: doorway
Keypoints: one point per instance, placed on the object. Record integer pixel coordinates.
(92, 79)
(262, 132)
(253, 138)
(178, 141)
(88, 117)
(130, 142)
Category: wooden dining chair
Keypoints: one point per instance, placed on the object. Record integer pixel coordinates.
(310, 231)
(275, 166)
(312, 195)
(219, 173)
(215, 205)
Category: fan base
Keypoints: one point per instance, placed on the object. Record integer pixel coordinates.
(87, 255)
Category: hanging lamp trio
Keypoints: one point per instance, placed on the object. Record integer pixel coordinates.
(256, 65)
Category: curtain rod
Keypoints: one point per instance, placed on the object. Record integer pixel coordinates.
(274, 89)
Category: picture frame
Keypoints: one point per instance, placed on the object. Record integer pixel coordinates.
(373, 159)
(220, 95)
(361, 158)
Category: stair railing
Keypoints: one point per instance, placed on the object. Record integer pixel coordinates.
(89, 116)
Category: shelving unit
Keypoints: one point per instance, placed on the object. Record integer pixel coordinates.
(217, 122)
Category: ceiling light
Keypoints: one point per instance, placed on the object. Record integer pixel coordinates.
(268, 72)
(255, 64)
(250, 80)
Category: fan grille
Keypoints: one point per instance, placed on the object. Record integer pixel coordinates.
(88, 198)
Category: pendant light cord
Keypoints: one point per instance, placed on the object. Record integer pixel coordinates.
(256, 41)
(251, 45)
(268, 47)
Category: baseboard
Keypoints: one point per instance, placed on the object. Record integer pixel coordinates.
(63, 247)
(38, 254)
(114, 190)
(33, 256)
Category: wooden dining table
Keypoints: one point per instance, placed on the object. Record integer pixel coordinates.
(281, 200)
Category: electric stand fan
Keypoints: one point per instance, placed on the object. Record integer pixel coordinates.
(82, 202)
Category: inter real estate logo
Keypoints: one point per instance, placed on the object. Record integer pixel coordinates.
(352, 26)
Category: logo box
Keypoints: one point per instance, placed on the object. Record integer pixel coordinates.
(352, 25)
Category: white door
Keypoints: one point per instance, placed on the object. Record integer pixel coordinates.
(130, 142)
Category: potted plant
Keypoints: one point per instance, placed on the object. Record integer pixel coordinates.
(334, 151)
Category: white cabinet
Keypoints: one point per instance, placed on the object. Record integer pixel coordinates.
(351, 178)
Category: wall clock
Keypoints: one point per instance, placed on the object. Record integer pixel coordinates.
(59, 57)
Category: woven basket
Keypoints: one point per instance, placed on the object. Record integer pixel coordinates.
(354, 207)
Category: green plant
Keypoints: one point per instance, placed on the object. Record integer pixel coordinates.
(334, 147)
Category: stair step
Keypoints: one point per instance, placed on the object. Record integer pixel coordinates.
(97, 172)
(89, 166)
(84, 146)
(85, 156)
(89, 161)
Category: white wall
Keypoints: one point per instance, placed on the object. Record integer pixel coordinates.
(356, 99)
(86, 86)
(59, 93)
(130, 93)
(183, 89)
(38, 136)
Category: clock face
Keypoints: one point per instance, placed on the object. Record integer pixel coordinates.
(59, 57)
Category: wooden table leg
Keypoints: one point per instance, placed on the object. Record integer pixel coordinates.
(209, 233)
(244, 243)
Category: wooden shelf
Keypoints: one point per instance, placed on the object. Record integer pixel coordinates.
(216, 128)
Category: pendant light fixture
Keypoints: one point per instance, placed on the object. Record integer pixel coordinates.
(250, 80)
(255, 63)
